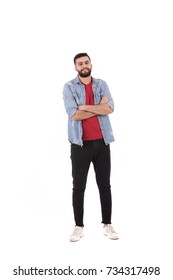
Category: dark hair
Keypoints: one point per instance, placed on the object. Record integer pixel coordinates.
(80, 55)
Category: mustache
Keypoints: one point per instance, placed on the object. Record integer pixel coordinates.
(85, 69)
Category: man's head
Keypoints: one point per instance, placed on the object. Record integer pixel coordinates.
(83, 64)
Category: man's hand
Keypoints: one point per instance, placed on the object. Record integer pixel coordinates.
(105, 99)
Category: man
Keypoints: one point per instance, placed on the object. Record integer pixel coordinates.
(88, 102)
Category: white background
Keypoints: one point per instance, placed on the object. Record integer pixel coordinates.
(130, 44)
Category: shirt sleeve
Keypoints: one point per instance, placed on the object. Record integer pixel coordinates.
(106, 92)
(69, 101)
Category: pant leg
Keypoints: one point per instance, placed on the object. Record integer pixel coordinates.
(81, 158)
(102, 166)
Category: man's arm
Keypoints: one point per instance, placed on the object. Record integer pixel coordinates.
(100, 109)
(82, 115)
(88, 111)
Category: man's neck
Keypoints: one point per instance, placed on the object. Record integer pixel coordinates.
(86, 80)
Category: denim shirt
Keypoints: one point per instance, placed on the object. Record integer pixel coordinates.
(74, 95)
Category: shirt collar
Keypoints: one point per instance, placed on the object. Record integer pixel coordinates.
(77, 80)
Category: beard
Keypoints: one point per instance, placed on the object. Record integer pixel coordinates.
(84, 73)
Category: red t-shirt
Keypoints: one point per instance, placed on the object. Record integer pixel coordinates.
(91, 126)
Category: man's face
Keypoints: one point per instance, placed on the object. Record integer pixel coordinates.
(83, 66)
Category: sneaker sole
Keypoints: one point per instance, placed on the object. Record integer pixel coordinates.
(77, 239)
(111, 238)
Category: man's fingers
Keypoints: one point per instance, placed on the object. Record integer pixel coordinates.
(104, 99)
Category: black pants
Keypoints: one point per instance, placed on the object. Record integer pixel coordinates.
(99, 154)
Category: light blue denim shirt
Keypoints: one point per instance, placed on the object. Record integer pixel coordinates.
(74, 95)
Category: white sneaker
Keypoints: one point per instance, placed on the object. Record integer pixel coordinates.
(77, 234)
(109, 231)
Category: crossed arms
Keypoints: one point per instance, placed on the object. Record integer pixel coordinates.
(88, 111)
